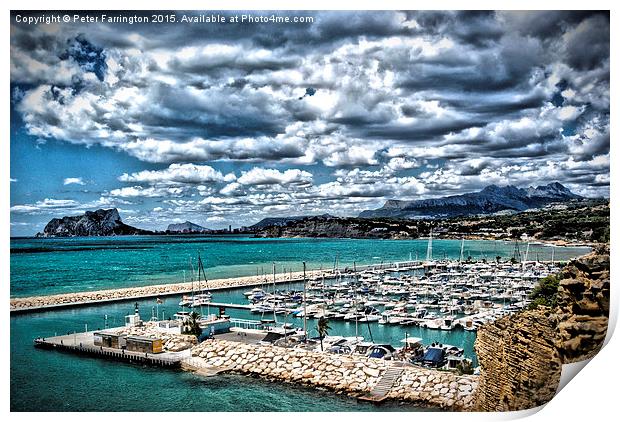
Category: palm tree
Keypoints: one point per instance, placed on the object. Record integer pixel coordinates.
(323, 328)
(192, 324)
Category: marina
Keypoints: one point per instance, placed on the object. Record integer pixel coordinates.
(391, 290)
(37, 303)
(430, 295)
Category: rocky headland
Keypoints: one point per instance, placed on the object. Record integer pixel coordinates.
(187, 227)
(92, 223)
(582, 314)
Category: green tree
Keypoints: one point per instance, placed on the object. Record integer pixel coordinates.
(545, 293)
(192, 324)
(323, 328)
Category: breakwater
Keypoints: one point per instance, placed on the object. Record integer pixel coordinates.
(35, 303)
(353, 375)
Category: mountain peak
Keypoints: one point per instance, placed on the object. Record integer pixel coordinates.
(491, 188)
(187, 227)
(489, 200)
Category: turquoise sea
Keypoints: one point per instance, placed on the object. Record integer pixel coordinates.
(57, 265)
(52, 381)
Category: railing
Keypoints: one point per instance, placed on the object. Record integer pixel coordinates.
(245, 323)
(118, 354)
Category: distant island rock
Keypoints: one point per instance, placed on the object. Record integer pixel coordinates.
(187, 227)
(492, 199)
(92, 223)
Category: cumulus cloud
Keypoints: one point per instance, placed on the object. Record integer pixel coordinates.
(52, 206)
(45, 204)
(261, 176)
(150, 192)
(73, 181)
(179, 173)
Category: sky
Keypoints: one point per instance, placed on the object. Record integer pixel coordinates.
(228, 123)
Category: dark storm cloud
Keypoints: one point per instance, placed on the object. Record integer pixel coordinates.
(422, 131)
(545, 24)
(588, 44)
(495, 107)
(478, 28)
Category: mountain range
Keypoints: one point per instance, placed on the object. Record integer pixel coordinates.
(491, 199)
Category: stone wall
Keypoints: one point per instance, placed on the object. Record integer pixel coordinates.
(352, 375)
(521, 356)
(520, 363)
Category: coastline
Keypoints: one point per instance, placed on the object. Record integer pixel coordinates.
(548, 242)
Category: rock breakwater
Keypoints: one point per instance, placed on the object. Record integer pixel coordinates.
(351, 375)
(67, 299)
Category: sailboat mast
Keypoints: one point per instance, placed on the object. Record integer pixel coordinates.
(191, 264)
(355, 310)
(305, 316)
(527, 251)
(275, 320)
(429, 248)
(462, 246)
(199, 270)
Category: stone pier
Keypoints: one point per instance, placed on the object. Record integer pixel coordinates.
(348, 374)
